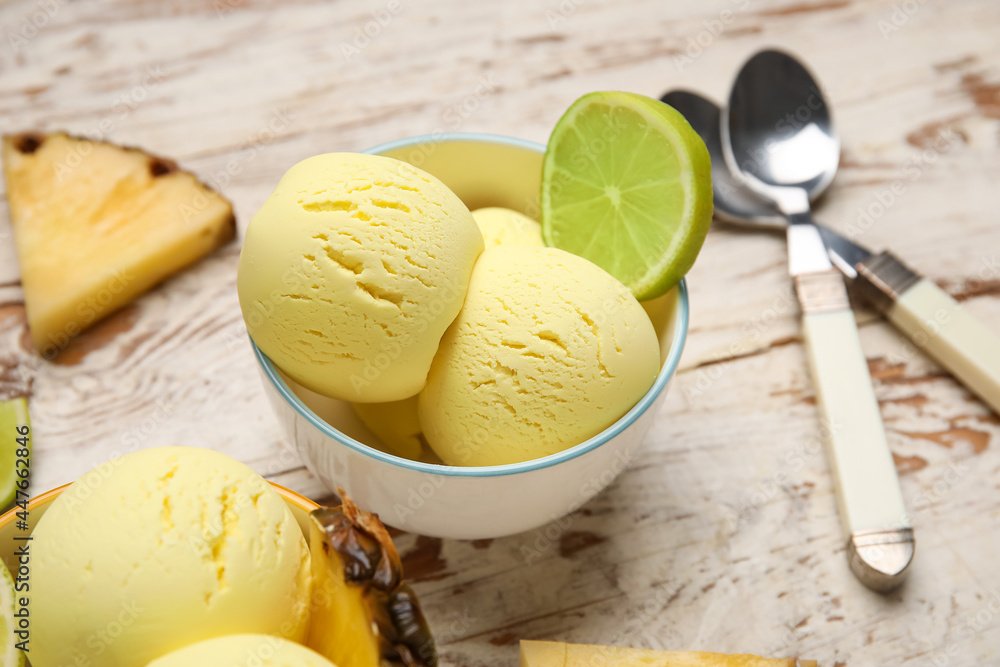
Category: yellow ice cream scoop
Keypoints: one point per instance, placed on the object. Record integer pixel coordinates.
(396, 424)
(502, 226)
(352, 271)
(160, 549)
(548, 351)
(244, 651)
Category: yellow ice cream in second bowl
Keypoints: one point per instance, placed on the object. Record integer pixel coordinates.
(352, 271)
(548, 351)
(244, 651)
(160, 549)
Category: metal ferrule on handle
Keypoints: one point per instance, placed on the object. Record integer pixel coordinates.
(821, 292)
(882, 278)
(935, 322)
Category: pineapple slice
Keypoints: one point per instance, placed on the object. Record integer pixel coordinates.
(363, 613)
(96, 225)
(557, 654)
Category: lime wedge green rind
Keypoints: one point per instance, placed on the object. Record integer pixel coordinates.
(13, 413)
(626, 183)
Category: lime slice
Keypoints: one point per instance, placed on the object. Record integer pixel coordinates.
(627, 184)
(13, 414)
(9, 654)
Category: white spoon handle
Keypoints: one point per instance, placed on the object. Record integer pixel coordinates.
(871, 503)
(947, 332)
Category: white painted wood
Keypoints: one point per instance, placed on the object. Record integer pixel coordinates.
(702, 544)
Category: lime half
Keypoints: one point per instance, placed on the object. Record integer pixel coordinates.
(10, 656)
(627, 184)
(13, 414)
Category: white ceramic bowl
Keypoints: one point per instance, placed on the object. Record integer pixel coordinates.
(473, 502)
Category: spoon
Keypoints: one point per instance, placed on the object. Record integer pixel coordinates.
(734, 202)
(778, 139)
(921, 310)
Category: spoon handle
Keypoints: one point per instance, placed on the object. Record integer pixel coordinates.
(948, 333)
(880, 542)
(935, 322)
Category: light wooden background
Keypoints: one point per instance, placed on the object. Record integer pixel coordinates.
(694, 547)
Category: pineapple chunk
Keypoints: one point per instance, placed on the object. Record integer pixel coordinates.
(558, 654)
(363, 613)
(96, 225)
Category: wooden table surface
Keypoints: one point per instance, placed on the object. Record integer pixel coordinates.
(696, 546)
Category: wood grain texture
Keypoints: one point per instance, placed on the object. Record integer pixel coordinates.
(723, 535)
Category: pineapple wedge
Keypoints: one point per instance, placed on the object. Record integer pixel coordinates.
(363, 613)
(558, 654)
(97, 224)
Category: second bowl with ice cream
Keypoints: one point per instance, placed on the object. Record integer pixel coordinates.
(183, 556)
(544, 373)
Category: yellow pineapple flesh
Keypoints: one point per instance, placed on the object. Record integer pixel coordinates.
(558, 654)
(363, 613)
(97, 224)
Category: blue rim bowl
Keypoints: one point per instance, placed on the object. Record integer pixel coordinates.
(667, 370)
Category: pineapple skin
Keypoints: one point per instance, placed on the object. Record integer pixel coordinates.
(363, 613)
(559, 654)
(96, 225)
(340, 627)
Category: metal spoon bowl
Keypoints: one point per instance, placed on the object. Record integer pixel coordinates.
(735, 203)
(778, 130)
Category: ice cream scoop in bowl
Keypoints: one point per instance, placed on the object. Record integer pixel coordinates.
(485, 501)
